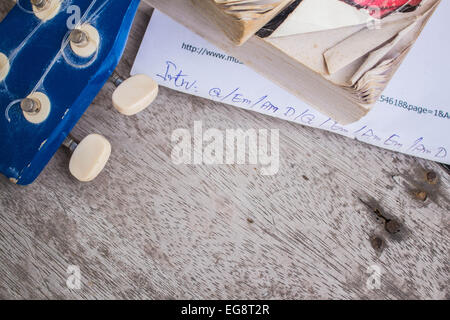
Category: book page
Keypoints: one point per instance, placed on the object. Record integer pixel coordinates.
(412, 116)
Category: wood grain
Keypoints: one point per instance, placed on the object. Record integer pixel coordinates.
(147, 228)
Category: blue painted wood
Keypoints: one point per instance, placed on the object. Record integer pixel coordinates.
(41, 60)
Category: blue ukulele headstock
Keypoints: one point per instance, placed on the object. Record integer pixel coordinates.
(55, 56)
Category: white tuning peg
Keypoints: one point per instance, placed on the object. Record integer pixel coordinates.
(36, 107)
(46, 9)
(84, 40)
(89, 157)
(4, 66)
(133, 94)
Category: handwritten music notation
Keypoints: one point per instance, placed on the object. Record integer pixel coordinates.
(412, 116)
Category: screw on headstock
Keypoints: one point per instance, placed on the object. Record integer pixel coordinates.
(79, 38)
(40, 4)
(31, 106)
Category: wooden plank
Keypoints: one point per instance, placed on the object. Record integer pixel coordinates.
(147, 228)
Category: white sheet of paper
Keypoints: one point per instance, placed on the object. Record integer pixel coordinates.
(412, 116)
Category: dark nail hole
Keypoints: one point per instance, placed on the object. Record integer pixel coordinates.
(377, 243)
(432, 177)
(421, 195)
(392, 226)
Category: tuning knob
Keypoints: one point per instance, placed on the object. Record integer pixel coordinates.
(133, 94)
(89, 157)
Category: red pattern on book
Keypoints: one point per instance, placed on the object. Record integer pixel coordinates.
(382, 8)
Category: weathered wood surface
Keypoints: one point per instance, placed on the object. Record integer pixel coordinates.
(149, 229)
